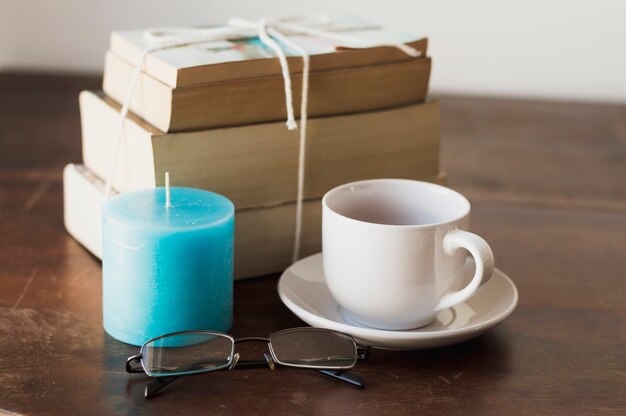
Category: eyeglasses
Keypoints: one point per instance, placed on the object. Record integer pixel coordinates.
(194, 352)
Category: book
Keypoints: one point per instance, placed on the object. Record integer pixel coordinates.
(258, 100)
(257, 165)
(227, 60)
(263, 236)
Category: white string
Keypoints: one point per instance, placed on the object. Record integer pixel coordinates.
(266, 30)
(284, 67)
(304, 101)
(120, 126)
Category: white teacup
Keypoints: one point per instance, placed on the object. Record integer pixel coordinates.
(391, 251)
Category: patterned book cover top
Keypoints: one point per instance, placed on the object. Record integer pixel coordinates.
(223, 51)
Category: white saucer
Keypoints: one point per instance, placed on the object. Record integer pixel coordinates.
(303, 289)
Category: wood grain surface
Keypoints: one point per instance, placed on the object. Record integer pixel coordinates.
(548, 187)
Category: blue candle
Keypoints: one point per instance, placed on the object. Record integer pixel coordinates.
(166, 268)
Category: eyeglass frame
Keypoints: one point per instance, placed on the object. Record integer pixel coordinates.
(361, 353)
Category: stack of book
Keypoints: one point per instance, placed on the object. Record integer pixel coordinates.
(212, 115)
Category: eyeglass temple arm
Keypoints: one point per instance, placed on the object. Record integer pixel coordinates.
(343, 375)
(354, 379)
(159, 383)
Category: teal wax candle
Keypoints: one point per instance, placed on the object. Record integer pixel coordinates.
(166, 268)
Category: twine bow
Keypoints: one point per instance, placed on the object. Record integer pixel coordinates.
(274, 33)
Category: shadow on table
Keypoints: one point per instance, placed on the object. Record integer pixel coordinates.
(492, 350)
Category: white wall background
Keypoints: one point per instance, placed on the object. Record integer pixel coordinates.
(556, 49)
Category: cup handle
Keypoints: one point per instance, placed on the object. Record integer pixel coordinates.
(483, 256)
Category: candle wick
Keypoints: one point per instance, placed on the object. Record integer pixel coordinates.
(168, 203)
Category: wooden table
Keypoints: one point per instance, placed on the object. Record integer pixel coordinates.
(548, 186)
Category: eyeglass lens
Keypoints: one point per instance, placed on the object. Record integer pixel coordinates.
(314, 347)
(187, 353)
